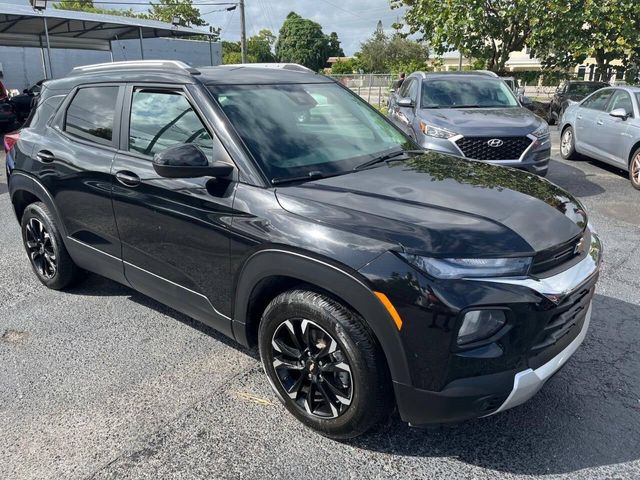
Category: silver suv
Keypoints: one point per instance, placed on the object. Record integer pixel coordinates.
(473, 115)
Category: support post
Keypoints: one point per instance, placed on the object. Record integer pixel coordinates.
(44, 63)
(243, 33)
(46, 34)
(111, 50)
(210, 51)
(141, 46)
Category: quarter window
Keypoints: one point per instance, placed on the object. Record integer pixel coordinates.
(90, 114)
(161, 119)
(598, 101)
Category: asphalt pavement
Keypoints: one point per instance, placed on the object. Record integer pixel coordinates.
(103, 382)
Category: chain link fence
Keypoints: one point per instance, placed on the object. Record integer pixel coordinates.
(373, 87)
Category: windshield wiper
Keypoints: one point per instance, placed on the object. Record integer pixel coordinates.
(312, 175)
(385, 158)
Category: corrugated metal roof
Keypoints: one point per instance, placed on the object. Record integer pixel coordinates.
(22, 26)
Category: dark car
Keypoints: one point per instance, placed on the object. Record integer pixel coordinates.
(8, 118)
(279, 208)
(568, 93)
(474, 115)
(23, 102)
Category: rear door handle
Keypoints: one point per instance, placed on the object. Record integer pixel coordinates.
(128, 179)
(600, 122)
(45, 156)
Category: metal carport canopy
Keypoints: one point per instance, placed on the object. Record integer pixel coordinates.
(22, 26)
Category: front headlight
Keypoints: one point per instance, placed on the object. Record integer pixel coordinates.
(437, 132)
(542, 132)
(450, 268)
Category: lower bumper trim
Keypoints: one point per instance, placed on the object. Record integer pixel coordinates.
(528, 382)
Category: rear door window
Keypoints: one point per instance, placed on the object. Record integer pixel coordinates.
(598, 101)
(91, 114)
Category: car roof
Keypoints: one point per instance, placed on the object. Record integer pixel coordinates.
(169, 71)
(457, 74)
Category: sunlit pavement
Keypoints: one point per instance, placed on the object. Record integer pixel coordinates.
(102, 382)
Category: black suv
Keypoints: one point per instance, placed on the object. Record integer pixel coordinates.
(281, 209)
(570, 91)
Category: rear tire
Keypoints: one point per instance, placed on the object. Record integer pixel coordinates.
(568, 144)
(324, 364)
(634, 169)
(46, 251)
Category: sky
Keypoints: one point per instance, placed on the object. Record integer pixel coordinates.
(353, 20)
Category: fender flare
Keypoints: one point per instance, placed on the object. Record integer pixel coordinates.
(344, 284)
(22, 182)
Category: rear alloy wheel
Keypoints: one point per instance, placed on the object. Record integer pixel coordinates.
(634, 170)
(48, 255)
(324, 364)
(567, 144)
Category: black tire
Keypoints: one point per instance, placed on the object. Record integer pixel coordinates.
(568, 150)
(46, 251)
(329, 325)
(634, 169)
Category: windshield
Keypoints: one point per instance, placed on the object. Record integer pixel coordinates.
(466, 93)
(584, 89)
(295, 130)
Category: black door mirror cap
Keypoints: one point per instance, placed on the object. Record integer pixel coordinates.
(188, 161)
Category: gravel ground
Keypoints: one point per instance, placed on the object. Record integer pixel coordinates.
(102, 382)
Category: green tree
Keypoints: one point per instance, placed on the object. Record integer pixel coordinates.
(344, 67)
(260, 46)
(335, 50)
(382, 54)
(488, 30)
(605, 30)
(88, 6)
(302, 41)
(166, 10)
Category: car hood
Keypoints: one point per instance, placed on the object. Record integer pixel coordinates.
(440, 205)
(498, 122)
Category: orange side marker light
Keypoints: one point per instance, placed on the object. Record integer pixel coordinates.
(390, 308)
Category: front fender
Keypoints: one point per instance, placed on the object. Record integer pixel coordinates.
(338, 280)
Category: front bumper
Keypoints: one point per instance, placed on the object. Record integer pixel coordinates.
(450, 384)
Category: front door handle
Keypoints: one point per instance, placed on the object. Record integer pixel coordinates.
(600, 122)
(579, 117)
(45, 156)
(128, 179)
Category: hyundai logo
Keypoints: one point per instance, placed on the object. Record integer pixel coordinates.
(495, 143)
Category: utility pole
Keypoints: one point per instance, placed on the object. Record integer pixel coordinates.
(243, 33)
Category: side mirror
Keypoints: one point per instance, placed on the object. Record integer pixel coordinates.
(619, 113)
(188, 161)
(26, 90)
(405, 102)
(525, 101)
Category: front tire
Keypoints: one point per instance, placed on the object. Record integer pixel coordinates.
(43, 242)
(634, 169)
(568, 144)
(324, 364)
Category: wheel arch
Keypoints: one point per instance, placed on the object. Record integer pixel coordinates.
(270, 272)
(633, 150)
(25, 190)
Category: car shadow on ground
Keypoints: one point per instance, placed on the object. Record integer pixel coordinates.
(97, 286)
(588, 415)
(573, 179)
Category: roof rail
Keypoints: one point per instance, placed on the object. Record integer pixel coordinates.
(284, 66)
(136, 65)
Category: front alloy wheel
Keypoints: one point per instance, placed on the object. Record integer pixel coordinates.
(324, 363)
(567, 144)
(312, 368)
